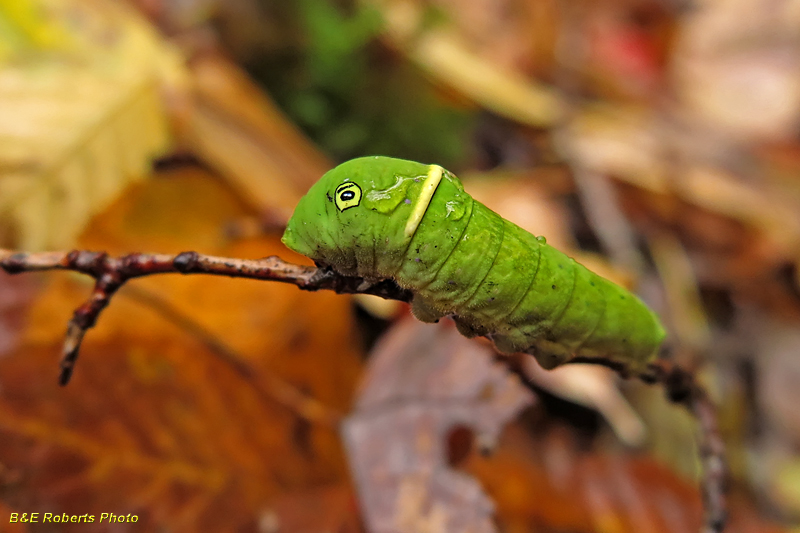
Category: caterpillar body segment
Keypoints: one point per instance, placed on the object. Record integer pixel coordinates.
(509, 279)
(468, 265)
(381, 218)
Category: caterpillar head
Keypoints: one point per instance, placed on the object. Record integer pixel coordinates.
(360, 216)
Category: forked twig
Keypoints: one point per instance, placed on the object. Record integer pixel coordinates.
(110, 273)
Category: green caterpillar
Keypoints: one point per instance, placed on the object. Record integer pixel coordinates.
(380, 218)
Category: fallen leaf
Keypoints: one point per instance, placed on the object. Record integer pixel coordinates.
(547, 483)
(335, 509)
(16, 296)
(156, 422)
(426, 390)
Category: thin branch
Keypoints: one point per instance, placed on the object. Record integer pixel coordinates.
(110, 273)
(682, 388)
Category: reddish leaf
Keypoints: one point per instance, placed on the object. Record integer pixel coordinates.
(549, 484)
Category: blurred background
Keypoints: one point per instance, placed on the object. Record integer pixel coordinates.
(656, 141)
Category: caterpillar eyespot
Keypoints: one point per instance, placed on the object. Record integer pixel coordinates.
(415, 224)
(347, 195)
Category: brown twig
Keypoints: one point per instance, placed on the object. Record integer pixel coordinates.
(110, 273)
(682, 388)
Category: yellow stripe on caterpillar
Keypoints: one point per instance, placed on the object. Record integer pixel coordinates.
(424, 200)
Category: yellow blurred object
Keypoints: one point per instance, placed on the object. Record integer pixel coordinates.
(25, 25)
(377, 306)
(786, 485)
(81, 112)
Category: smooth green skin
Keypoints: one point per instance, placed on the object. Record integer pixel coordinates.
(495, 278)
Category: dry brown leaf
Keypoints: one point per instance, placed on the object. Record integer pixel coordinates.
(15, 298)
(427, 387)
(154, 422)
(335, 509)
(621, 142)
(17, 526)
(548, 484)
